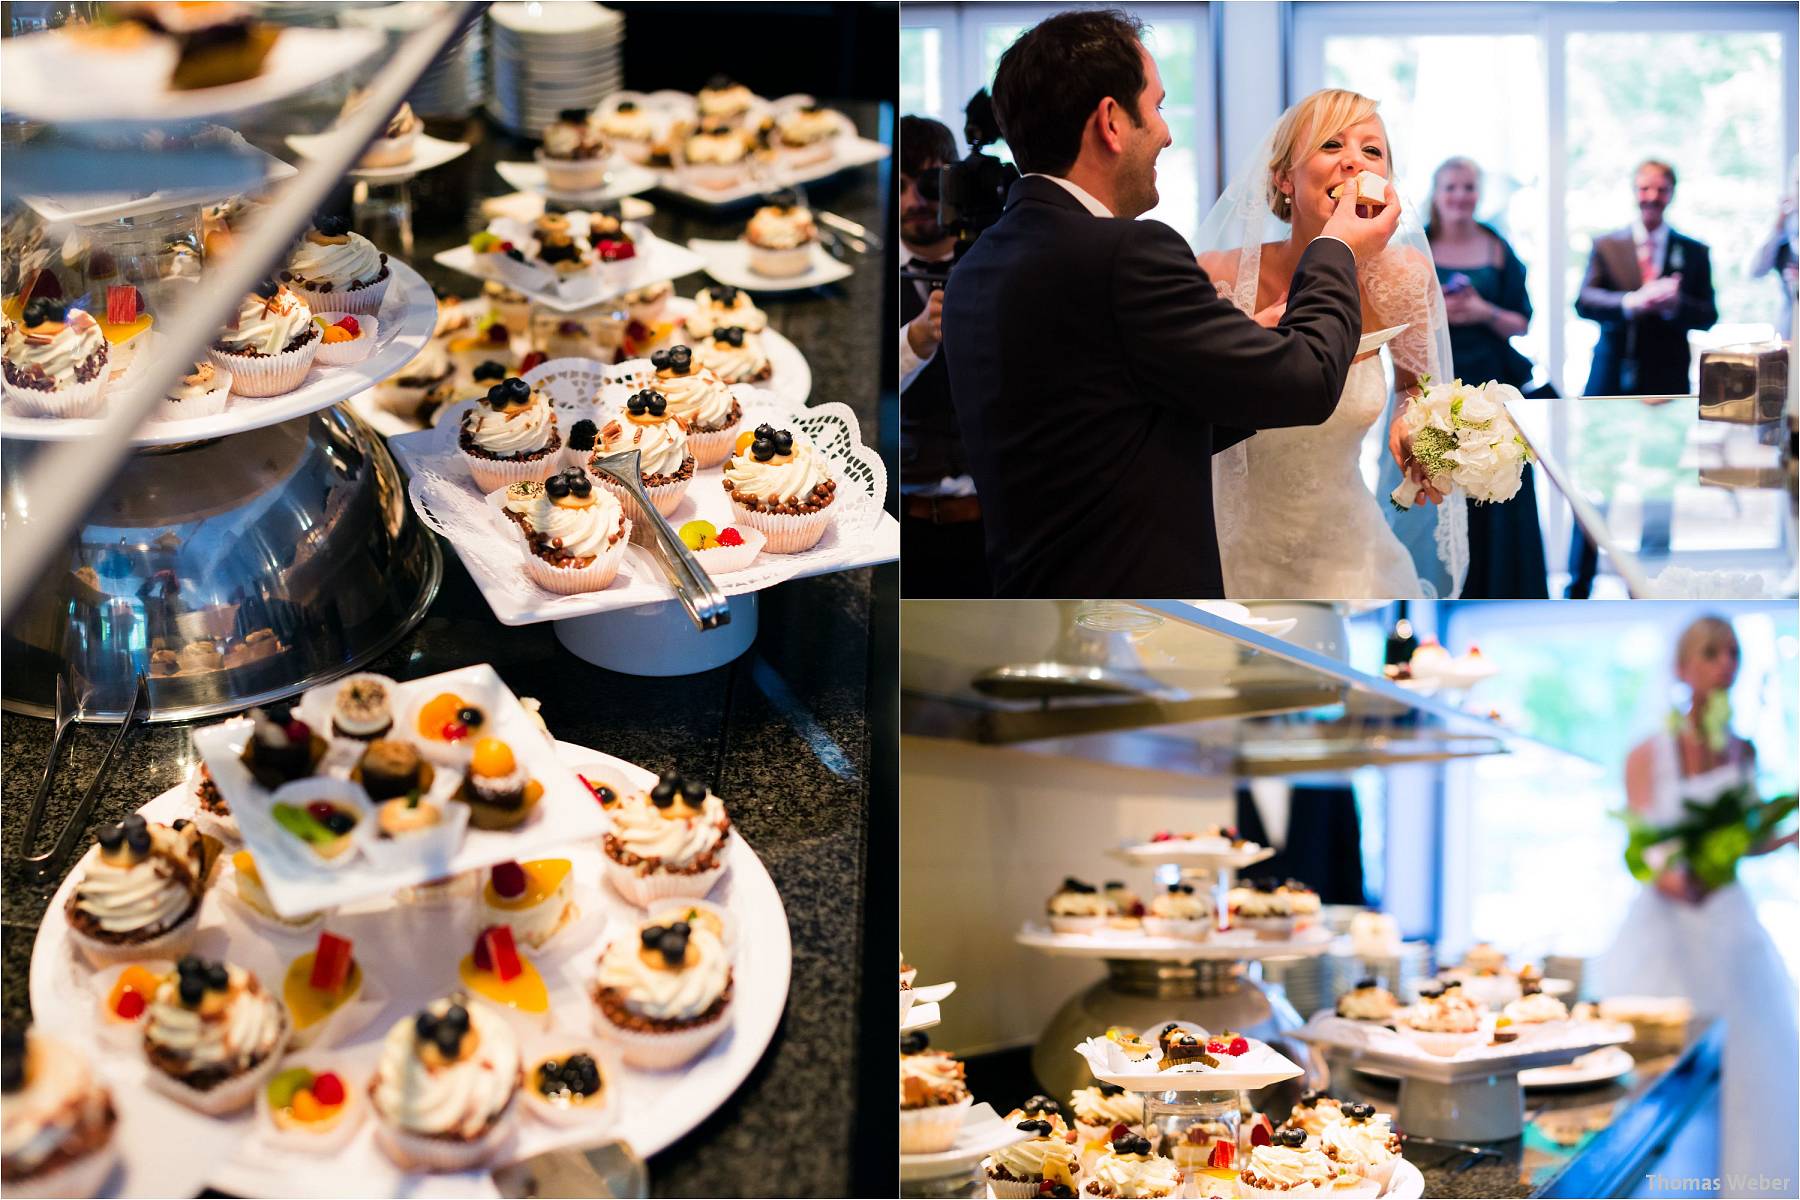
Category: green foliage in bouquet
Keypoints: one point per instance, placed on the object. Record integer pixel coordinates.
(1710, 837)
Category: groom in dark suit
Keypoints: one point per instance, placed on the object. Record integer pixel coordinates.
(1094, 368)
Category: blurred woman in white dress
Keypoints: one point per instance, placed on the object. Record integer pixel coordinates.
(1681, 938)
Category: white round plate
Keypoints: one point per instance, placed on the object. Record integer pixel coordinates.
(983, 1132)
(428, 152)
(300, 58)
(729, 263)
(1236, 945)
(405, 947)
(622, 179)
(790, 378)
(408, 315)
(1199, 855)
(1406, 1183)
(1600, 1066)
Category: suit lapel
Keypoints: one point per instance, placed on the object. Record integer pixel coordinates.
(1621, 255)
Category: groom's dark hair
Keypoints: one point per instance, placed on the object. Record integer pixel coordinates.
(1050, 81)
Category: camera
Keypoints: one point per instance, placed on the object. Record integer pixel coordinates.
(971, 193)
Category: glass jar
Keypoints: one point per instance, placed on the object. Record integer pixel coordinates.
(1199, 1130)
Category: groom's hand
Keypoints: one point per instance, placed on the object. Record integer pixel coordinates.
(1366, 236)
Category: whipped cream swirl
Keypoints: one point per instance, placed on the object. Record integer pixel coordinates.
(1367, 1143)
(585, 532)
(723, 148)
(776, 228)
(780, 482)
(343, 264)
(631, 125)
(1180, 906)
(675, 841)
(523, 431)
(461, 1099)
(734, 364)
(1537, 1008)
(59, 355)
(1451, 1012)
(252, 1026)
(1137, 1175)
(1093, 1107)
(60, 1103)
(700, 398)
(711, 313)
(661, 993)
(1027, 1159)
(1078, 904)
(148, 896)
(1283, 1168)
(661, 445)
(932, 1078)
(267, 326)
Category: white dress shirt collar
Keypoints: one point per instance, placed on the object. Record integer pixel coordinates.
(1080, 193)
(1657, 241)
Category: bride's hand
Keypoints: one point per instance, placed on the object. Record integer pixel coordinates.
(1270, 317)
(1400, 446)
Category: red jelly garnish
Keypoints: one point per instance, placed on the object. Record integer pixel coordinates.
(331, 963)
(454, 731)
(319, 810)
(130, 1005)
(328, 1089)
(509, 879)
(1221, 1155)
(501, 952)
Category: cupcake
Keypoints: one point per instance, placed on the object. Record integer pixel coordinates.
(631, 131)
(270, 344)
(536, 898)
(808, 135)
(57, 1121)
(780, 486)
(1285, 1167)
(1130, 1169)
(218, 43)
(282, 747)
(1179, 912)
(574, 153)
(662, 992)
(1368, 1001)
(568, 1088)
(934, 1098)
(54, 360)
(445, 1087)
(310, 1111)
(336, 270)
(700, 399)
(723, 99)
(212, 1034)
(1536, 1010)
(1019, 1170)
(1314, 1112)
(391, 769)
(1121, 901)
(717, 157)
(1363, 1143)
(1446, 1022)
(1098, 1108)
(510, 436)
(734, 355)
(781, 237)
(397, 141)
(321, 989)
(558, 248)
(670, 842)
(1267, 907)
(1077, 907)
(664, 463)
(201, 394)
(140, 890)
(577, 533)
(720, 305)
(513, 307)
(646, 304)
(498, 789)
(363, 707)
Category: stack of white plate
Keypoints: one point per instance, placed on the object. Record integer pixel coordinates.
(452, 85)
(544, 58)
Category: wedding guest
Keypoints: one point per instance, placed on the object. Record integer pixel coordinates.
(1684, 938)
(1484, 298)
(940, 532)
(1647, 286)
(1780, 253)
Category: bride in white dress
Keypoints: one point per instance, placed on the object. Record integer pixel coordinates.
(1295, 517)
(1680, 939)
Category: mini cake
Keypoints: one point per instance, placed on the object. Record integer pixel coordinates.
(140, 890)
(577, 533)
(212, 1035)
(55, 360)
(716, 157)
(390, 769)
(123, 323)
(1136, 1048)
(203, 393)
(631, 131)
(721, 305)
(1121, 901)
(320, 986)
(665, 465)
(250, 890)
(567, 1088)
(1076, 907)
(394, 147)
(345, 338)
(218, 43)
(574, 152)
(1374, 935)
(495, 973)
(1286, 1167)
(1185, 1048)
(1363, 1143)
(270, 344)
(611, 240)
(780, 486)
(780, 238)
(444, 1089)
(1483, 959)
(703, 402)
(1274, 910)
(723, 99)
(510, 436)
(536, 898)
(1019, 1170)
(808, 135)
(1536, 1009)
(646, 304)
(513, 307)
(1368, 1001)
(734, 355)
(1445, 1022)
(311, 1111)
(337, 270)
(323, 821)
(56, 1122)
(1314, 1112)
(498, 789)
(558, 248)
(363, 707)
(1099, 1107)
(282, 747)
(934, 1098)
(662, 992)
(1130, 1169)
(670, 842)
(1179, 912)
(446, 727)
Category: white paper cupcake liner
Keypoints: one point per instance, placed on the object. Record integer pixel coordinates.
(633, 150)
(932, 1130)
(714, 447)
(1008, 1189)
(443, 1154)
(714, 177)
(1378, 1173)
(657, 886)
(572, 174)
(330, 1141)
(779, 264)
(75, 400)
(212, 825)
(268, 374)
(222, 1098)
(207, 404)
(1268, 929)
(723, 560)
(492, 474)
(355, 301)
(1444, 1045)
(572, 581)
(170, 945)
(82, 1178)
(662, 1051)
(1193, 929)
(390, 151)
(1076, 924)
(355, 350)
(787, 533)
(666, 498)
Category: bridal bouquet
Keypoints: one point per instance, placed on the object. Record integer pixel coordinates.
(1464, 437)
(1709, 839)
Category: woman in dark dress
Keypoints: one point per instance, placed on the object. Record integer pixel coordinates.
(1484, 298)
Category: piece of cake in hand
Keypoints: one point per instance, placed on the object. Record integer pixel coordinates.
(934, 1098)
(780, 486)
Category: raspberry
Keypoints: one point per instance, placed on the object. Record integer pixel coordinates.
(297, 731)
(318, 810)
(1162, 835)
(1117, 1132)
(730, 537)
(1259, 1134)
(328, 1090)
(1215, 1046)
(1238, 1046)
(131, 1005)
(454, 731)
(349, 324)
(531, 360)
(509, 879)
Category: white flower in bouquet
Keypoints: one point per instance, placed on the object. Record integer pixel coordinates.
(1463, 437)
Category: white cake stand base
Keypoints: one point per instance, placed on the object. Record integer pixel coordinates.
(659, 639)
(1489, 1109)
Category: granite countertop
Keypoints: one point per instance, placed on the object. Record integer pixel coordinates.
(783, 733)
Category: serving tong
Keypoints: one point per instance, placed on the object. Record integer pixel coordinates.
(71, 706)
(706, 605)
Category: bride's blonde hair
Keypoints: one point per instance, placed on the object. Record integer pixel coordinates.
(1703, 634)
(1308, 124)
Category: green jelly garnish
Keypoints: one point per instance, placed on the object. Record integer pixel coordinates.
(285, 1085)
